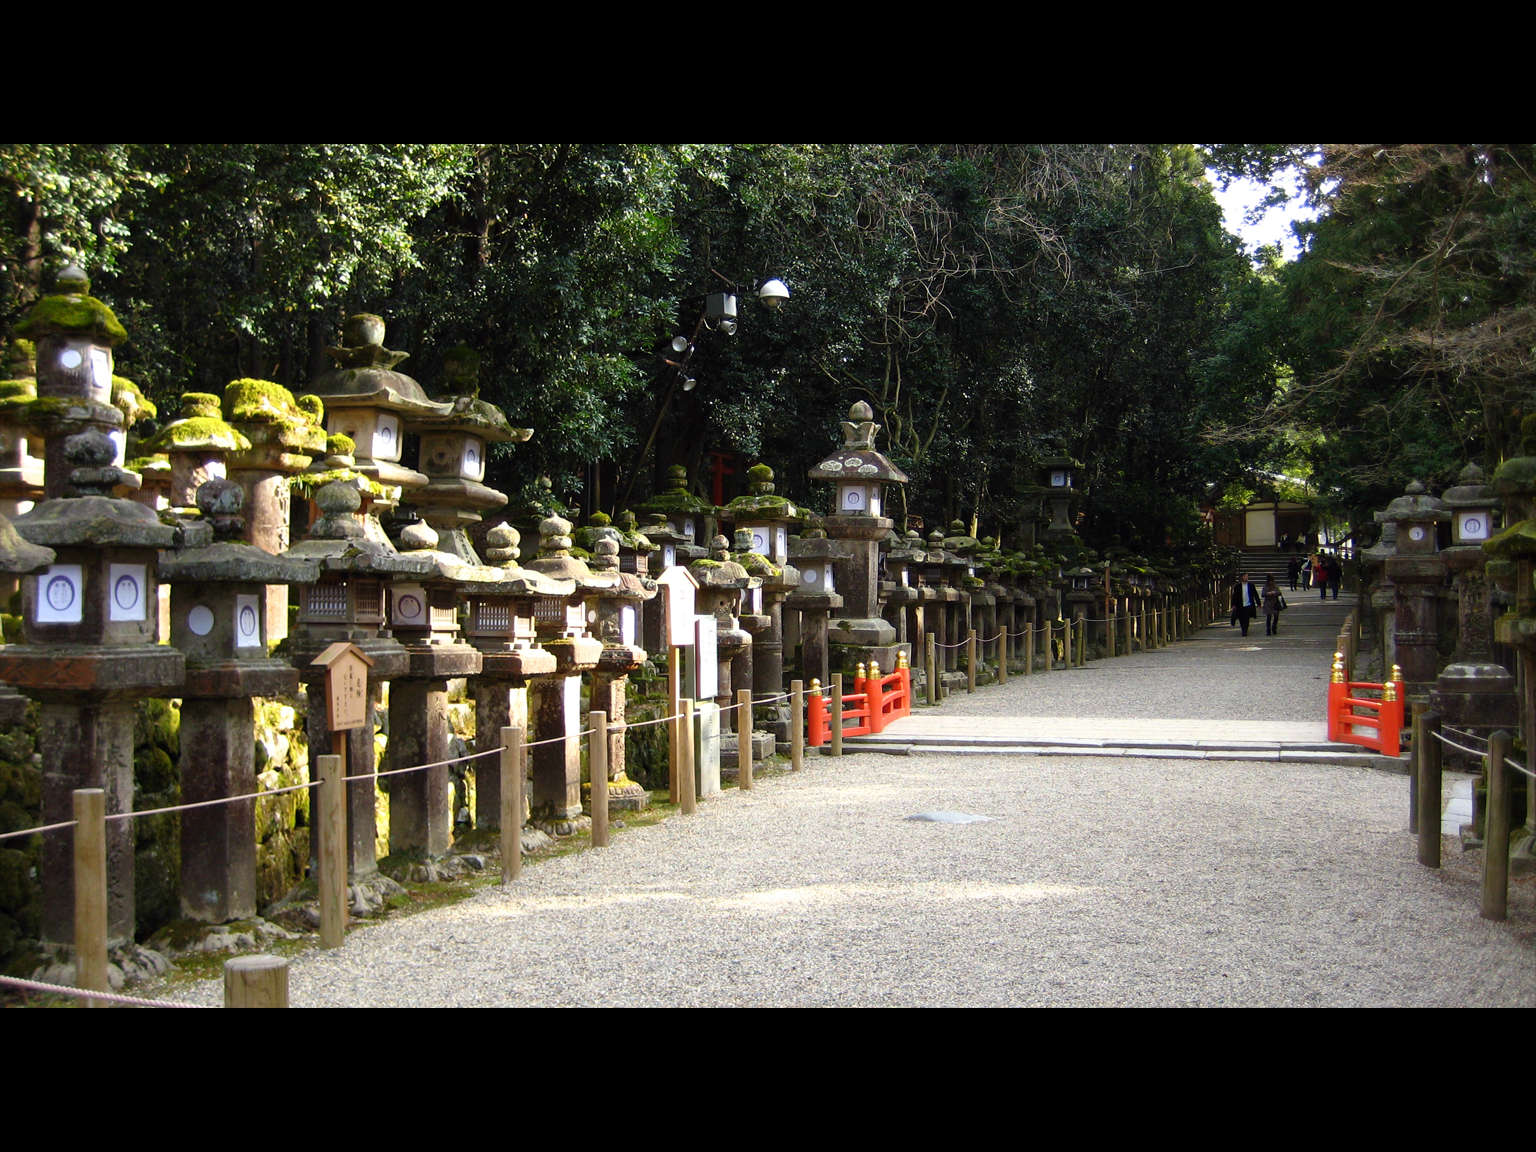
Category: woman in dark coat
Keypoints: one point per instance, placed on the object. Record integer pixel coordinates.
(1245, 601)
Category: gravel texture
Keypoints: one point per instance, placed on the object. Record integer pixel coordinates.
(1099, 882)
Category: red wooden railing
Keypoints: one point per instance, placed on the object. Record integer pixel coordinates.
(1348, 711)
(874, 702)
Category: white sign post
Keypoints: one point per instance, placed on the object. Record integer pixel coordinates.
(679, 587)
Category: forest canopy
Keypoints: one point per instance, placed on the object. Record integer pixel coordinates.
(995, 304)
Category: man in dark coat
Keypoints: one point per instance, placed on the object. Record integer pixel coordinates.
(1245, 602)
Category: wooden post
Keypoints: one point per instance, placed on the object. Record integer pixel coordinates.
(511, 804)
(970, 662)
(333, 850)
(1426, 728)
(797, 724)
(597, 768)
(1002, 659)
(1048, 634)
(1029, 648)
(933, 671)
(744, 739)
(837, 713)
(1082, 643)
(1414, 745)
(674, 710)
(91, 892)
(1495, 905)
(688, 785)
(256, 982)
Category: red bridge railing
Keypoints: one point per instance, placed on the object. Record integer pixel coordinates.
(1348, 711)
(874, 702)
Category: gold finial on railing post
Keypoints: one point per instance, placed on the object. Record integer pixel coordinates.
(902, 661)
(859, 672)
(1388, 692)
(1397, 673)
(815, 686)
(1338, 668)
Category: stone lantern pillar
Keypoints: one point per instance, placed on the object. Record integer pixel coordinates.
(901, 590)
(88, 617)
(196, 443)
(424, 617)
(615, 619)
(859, 524)
(502, 625)
(635, 547)
(285, 437)
(347, 602)
(815, 557)
(688, 515)
(1418, 573)
(218, 621)
(555, 702)
(1476, 518)
(1079, 600)
(369, 402)
(721, 582)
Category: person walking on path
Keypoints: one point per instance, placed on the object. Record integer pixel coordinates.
(1245, 602)
(1335, 573)
(1273, 602)
(1306, 573)
(1293, 570)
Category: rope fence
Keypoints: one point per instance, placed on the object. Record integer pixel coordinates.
(1459, 747)
(88, 994)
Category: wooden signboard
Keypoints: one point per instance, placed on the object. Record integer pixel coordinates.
(680, 587)
(346, 685)
(706, 658)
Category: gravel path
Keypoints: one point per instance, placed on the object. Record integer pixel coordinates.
(1123, 882)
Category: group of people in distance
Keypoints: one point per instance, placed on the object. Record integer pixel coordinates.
(1321, 570)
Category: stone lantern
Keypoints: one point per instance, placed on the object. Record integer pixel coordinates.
(766, 519)
(900, 589)
(555, 702)
(347, 602)
(614, 616)
(369, 402)
(689, 516)
(635, 547)
(89, 617)
(1417, 571)
(1475, 519)
(285, 437)
(453, 456)
(503, 626)
(1058, 475)
(218, 621)
(196, 443)
(668, 548)
(721, 582)
(859, 471)
(815, 557)
(424, 617)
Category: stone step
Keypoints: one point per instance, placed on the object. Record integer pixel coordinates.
(1288, 755)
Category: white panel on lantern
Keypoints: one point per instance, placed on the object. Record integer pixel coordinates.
(827, 577)
(874, 500)
(71, 358)
(1474, 525)
(688, 529)
(247, 621)
(627, 624)
(810, 577)
(706, 657)
(854, 498)
(668, 555)
(1058, 479)
(757, 601)
(120, 444)
(126, 597)
(386, 437)
(200, 620)
(60, 594)
(408, 607)
(780, 542)
(759, 539)
(101, 369)
(473, 464)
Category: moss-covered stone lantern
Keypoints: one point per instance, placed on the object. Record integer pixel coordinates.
(1058, 475)
(196, 442)
(370, 403)
(690, 516)
(859, 472)
(766, 519)
(614, 617)
(1417, 572)
(218, 621)
(815, 557)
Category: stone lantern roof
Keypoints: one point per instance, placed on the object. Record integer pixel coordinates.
(1471, 490)
(760, 503)
(338, 542)
(229, 558)
(93, 518)
(857, 458)
(418, 541)
(199, 427)
(675, 499)
(364, 374)
(1415, 504)
(17, 556)
(285, 434)
(73, 311)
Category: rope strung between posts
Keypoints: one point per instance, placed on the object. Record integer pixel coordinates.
(212, 803)
(1483, 740)
(1520, 768)
(86, 994)
(35, 831)
(1459, 747)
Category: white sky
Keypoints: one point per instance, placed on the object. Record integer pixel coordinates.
(1274, 228)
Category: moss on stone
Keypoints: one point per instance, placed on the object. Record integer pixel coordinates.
(1516, 541)
(77, 315)
(308, 483)
(18, 390)
(199, 431)
(313, 407)
(340, 445)
(599, 520)
(131, 402)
